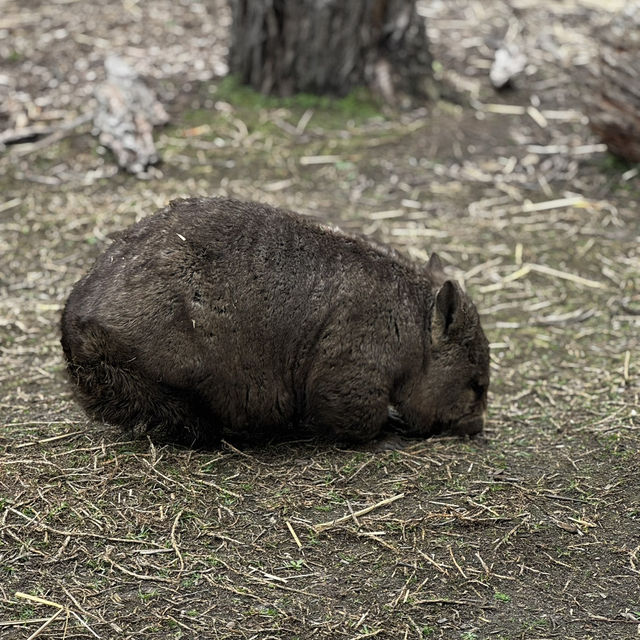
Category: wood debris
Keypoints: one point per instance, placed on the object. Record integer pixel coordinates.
(127, 112)
(508, 63)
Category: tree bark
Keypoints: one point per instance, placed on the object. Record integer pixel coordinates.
(613, 102)
(284, 47)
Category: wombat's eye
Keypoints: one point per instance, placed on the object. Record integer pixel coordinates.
(478, 388)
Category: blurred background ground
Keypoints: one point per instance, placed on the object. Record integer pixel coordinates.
(532, 534)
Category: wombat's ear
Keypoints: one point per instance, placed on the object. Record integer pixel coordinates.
(447, 310)
(436, 269)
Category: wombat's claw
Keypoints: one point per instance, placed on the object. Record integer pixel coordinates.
(391, 442)
(479, 439)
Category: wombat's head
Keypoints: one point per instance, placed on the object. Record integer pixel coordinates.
(451, 395)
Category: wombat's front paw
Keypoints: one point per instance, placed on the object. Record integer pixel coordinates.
(391, 442)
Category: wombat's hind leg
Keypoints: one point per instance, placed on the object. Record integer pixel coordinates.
(126, 398)
(112, 389)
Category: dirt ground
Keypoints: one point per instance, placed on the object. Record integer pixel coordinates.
(531, 533)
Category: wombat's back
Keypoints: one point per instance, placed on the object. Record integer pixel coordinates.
(204, 319)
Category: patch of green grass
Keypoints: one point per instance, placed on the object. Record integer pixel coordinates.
(535, 624)
(147, 595)
(143, 534)
(359, 105)
(214, 561)
(502, 597)
(255, 111)
(57, 510)
(26, 613)
(264, 611)
(347, 558)
(353, 463)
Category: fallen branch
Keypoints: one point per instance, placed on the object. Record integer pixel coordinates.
(62, 132)
(15, 136)
(47, 440)
(323, 526)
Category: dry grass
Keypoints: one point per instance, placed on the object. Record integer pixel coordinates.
(529, 534)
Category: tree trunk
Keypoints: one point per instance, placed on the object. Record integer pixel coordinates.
(613, 103)
(284, 47)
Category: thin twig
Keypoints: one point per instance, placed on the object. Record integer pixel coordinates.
(323, 526)
(43, 626)
(174, 541)
(64, 130)
(293, 533)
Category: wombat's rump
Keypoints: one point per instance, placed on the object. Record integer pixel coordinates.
(219, 318)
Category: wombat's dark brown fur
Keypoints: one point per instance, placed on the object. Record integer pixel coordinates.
(215, 318)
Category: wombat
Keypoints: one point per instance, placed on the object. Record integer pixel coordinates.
(215, 318)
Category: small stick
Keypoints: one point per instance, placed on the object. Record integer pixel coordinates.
(236, 450)
(483, 563)
(458, 567)
(432, 562)
(560, 203)
(18, 623)
(540, 268)
(632, 558)
(378, 539)
(518, 254)
(9, 204)
(43, 626)
(174, 542)
(28, 596)
(15, 135)
(78, 534)
(46, 440)
(47, 422)
(446, 601)
(65, 129)
(625, 370)
(528, 267)
(537, 117)
(505, 109)
(304, 121)
(138, 576)
(308, 160)
(353, 515)
(83, 623)
(217, 487)
(323, 526)
(78, 605)
(293, 533)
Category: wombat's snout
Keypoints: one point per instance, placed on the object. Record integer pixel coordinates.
(470, 426)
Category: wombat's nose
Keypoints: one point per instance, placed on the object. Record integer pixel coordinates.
(471, 426)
